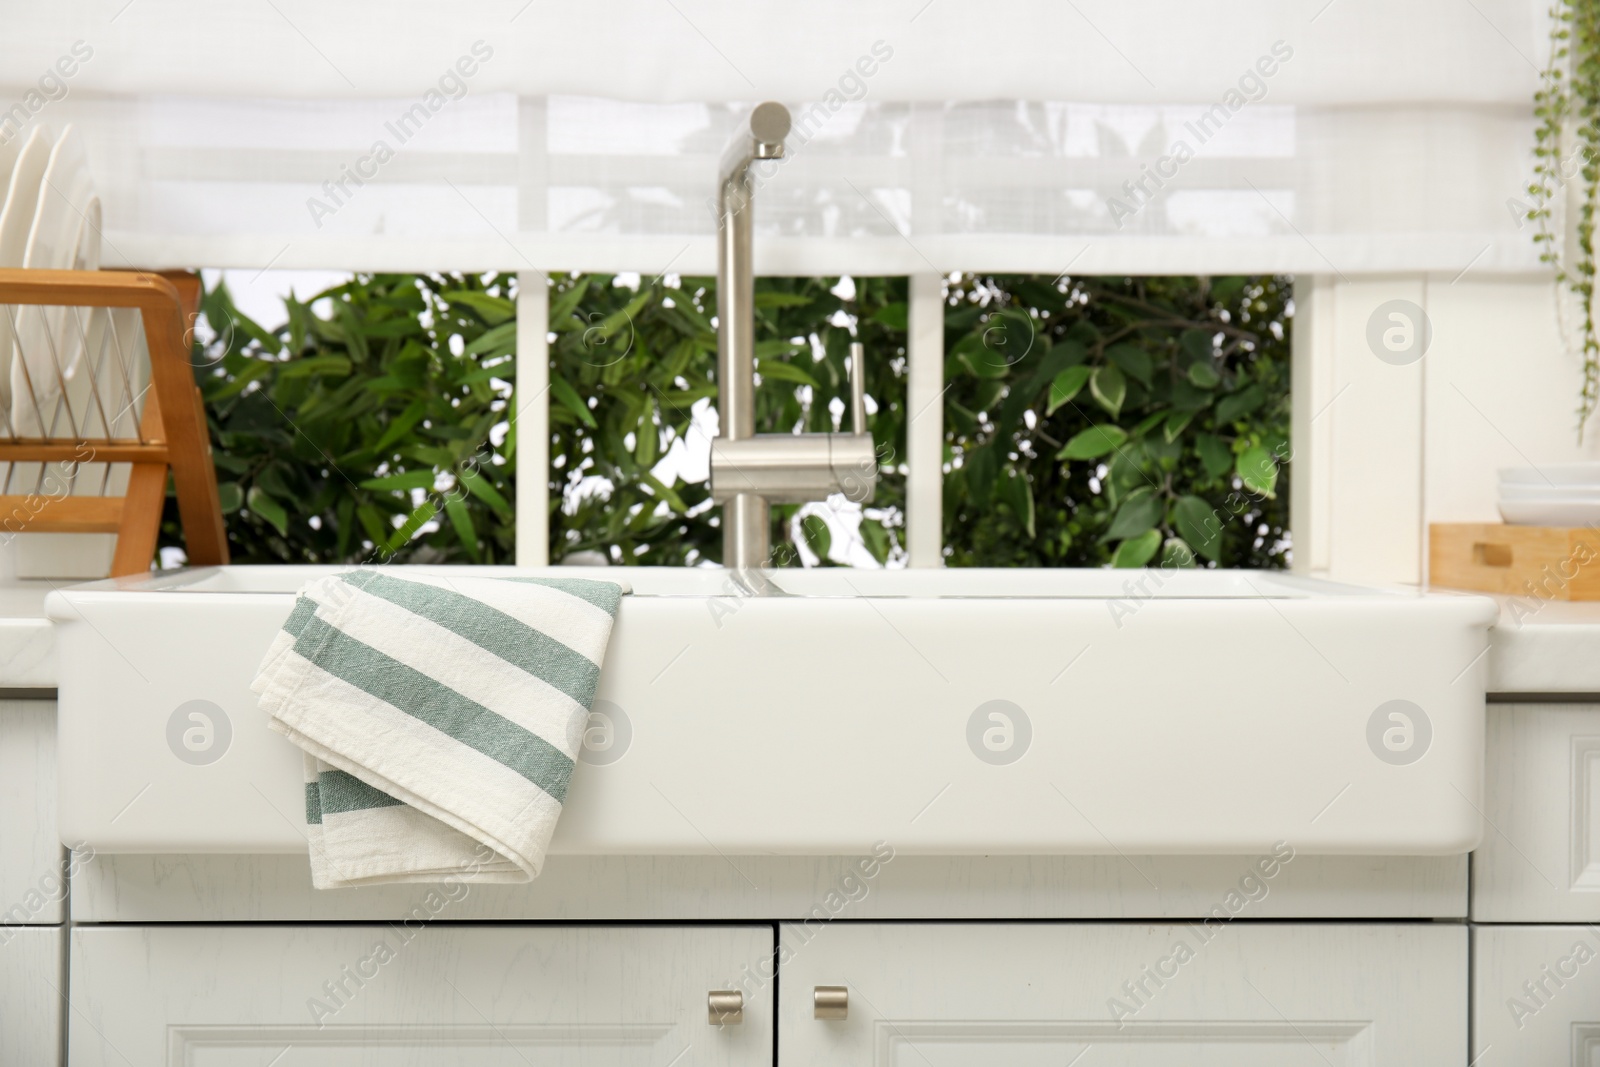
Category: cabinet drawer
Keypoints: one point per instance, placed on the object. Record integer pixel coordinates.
(1233, 995)
(32, 990)
(31, 884)
(1536, 995)
(385, 995)
(1540, 856)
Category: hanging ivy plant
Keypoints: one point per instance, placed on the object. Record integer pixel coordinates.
(1567, 145)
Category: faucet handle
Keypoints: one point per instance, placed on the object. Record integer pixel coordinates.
(858, 389)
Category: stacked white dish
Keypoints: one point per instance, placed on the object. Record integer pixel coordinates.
(64, 372)
(1556, 494)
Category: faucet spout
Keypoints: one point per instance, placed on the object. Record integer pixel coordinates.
(750, 471)
(745, 534)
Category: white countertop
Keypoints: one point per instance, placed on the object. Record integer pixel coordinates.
(1548, 647)
(27, 638)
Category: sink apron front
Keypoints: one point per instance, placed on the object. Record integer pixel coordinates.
(1053, 715)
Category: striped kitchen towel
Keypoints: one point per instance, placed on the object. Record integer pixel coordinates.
(440, 716)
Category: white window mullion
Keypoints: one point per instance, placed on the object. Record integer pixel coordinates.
(532, 399)
(925, 422)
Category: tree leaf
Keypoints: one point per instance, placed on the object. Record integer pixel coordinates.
(230, 497)
(1214, 455)
(892, 316)
(572, 402)
(1231, 408)
(414, 522)
(1093, 442)
(1148, 423)
(768, 299)
(647, 436)
(1258, 471)
(500, 340)
(983, 470)
(972, 356)
(493, 309)
(814, 528)
(1177, 422)
(484, 490)
(266, 507)
(1109, 387)
(1018, 494)
(1199, 524)
(1204, 375)
(1176, 555)
(461, 521)
(332, 366)
(1196, 344)
(1133, 361)
(403, 481)
(1066, 386)
(1140, 511)
(778, 370)
(1138, 551)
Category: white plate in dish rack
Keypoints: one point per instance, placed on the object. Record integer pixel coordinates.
(16, 222)
(65, 236)
(54, 391)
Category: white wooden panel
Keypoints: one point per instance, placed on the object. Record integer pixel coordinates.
(1536, 996)
(925, 422)
(1375, 439)
(1540, 859)
(31, 1001)
(31, 885)
(131, 888)
(532, 399)
(386, 995)
(1502, 392)
(1240, 995)
(1311, 342)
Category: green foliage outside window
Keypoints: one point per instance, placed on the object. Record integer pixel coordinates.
(628, 365)
(376, 431)
(1087, 421)
(1129, 421)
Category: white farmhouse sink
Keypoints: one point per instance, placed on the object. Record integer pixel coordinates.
(954, 711)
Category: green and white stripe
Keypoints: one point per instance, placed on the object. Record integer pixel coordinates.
(441, 717)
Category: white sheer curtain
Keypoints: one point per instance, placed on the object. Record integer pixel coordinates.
(1343, 137)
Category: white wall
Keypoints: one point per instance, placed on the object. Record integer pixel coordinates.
(1382, 450)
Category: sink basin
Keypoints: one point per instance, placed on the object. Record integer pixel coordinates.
(941, 711)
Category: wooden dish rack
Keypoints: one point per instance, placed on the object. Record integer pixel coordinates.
(171, 434)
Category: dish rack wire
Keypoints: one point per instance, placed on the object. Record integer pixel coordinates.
(97, 400)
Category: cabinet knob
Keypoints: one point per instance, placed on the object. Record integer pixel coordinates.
(725, 1007)
(830, 1002)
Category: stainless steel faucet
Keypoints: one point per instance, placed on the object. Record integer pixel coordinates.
(749, 471)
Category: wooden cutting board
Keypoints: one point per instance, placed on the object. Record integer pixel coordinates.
(1549, 562)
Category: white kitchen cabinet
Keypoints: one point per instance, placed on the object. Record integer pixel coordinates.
(486, 996)
(31, 856)
(32, 998)
(1540, 856)
(1536, 996)
(1126, 995)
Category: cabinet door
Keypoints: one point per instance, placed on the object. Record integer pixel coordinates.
(388, 995)
(32, 995)
(1536, 995)
(32, 886)
(1540, 857)
(1115, 995)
